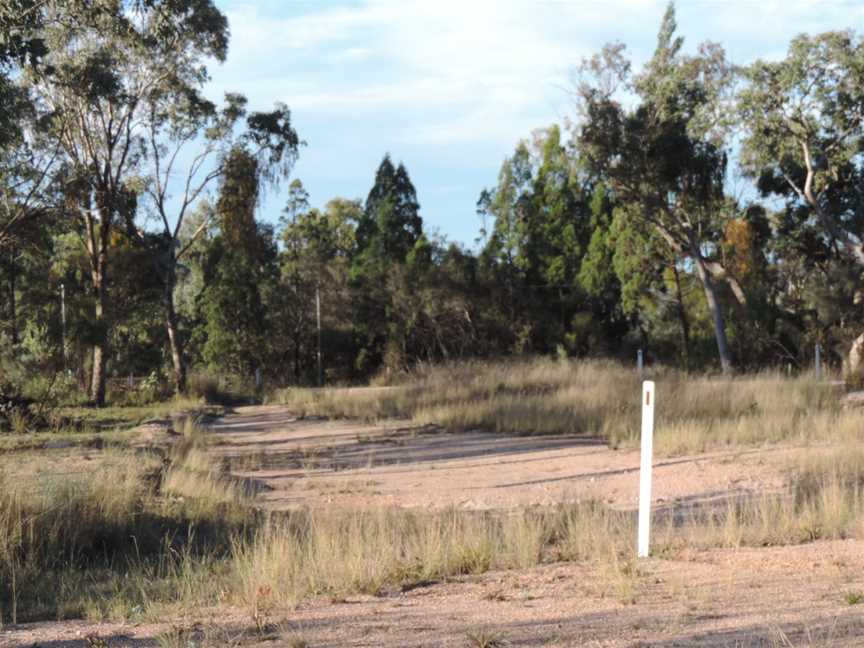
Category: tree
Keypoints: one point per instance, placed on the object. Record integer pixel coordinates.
(509, 204)
(665, 156)
(317, 250)
(107, 64)
(239, 264)
(388, 231)
(175, 121)
(803, 121)
(391, 223)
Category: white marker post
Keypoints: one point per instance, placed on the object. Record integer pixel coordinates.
(645, 467)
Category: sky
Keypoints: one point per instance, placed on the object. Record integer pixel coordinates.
(449, 87)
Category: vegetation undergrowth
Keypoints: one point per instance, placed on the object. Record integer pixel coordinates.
(600, 398)
(142, 536)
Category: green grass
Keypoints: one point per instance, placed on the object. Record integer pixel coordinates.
(97, 427)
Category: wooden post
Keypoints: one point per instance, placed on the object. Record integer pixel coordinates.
(318, 319)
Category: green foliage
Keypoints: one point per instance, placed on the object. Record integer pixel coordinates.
(614, 234)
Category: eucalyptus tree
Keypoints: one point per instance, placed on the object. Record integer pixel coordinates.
(181, 120)
(665, 157)
(803, 119)
(27, 158)
(239, 266)
(106, 64)
(317, 246)
(121, 87)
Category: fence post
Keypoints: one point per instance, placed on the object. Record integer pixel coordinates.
(648, 401)
(818, 361)
(640, 362)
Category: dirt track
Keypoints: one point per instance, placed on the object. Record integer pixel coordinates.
(345, 463)
(793, 597)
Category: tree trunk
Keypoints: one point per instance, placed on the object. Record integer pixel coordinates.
(856, 356)
(100, 348)
(176, 347)
(98, 240)
(716, 313)
(13, 314)
(682, 317)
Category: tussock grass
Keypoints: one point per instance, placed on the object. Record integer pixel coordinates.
(824, 501)
(338, 553)
(112, 540)
(545, 396)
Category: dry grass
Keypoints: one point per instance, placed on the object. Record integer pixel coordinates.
(70, 552)
(141, 536)
(544, 396)
(109, 539)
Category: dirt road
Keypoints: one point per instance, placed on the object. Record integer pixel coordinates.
(304, 462)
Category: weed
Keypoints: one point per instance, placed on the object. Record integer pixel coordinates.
(853, 598)
(484, 638)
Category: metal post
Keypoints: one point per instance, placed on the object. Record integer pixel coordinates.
(639, 362)
(258, 378)
(318, 319)
(63, 322)
(818, 361)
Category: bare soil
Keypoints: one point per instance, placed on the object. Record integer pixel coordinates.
(312, 462)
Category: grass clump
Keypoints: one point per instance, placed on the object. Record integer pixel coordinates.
(111, 539)
(485, 638)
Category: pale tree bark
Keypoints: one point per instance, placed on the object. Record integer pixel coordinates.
(174, 343)
(685, 242)
(853, 248)
(100, 348)
(716, 312)
(97, 239)
(856, 355)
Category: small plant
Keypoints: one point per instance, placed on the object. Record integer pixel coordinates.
(95, 641)
(485, 638)
(853, 598)
(262, 606)
(495, 595)
(176, 637)
(19, 422)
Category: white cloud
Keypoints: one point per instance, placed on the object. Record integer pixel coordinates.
(455, 83)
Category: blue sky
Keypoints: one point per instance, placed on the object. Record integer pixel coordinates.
(450, 87)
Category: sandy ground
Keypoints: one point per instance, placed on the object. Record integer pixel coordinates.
(303, 462)
(791, 597)
(733, 599)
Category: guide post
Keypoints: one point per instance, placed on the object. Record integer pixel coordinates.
(645, 468)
